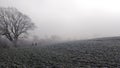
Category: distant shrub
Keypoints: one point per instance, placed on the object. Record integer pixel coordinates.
(4, 43)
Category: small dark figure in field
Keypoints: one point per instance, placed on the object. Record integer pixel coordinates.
(34, 44)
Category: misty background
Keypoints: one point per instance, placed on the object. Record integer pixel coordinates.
(70, 19)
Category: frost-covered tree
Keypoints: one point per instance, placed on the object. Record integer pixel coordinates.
(13, 24)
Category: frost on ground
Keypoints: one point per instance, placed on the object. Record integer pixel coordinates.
(96, 53)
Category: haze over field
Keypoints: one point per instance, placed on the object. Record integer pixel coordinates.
(75, 19)
(59, 34)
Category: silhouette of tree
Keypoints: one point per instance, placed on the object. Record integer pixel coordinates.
(13, 24)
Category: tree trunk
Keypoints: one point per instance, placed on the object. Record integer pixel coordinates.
(15, 43)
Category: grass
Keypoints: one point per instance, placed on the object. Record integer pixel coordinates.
(77, 54)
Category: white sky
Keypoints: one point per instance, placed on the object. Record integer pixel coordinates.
(71, 18)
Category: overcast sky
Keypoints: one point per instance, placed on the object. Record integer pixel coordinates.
(79, 19)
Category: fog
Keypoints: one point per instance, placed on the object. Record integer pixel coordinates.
(71, 19)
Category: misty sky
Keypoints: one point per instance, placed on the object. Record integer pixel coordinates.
(76, 19)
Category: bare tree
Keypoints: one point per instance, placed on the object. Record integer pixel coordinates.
(13, 24)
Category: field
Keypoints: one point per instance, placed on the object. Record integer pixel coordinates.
(95, 53)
